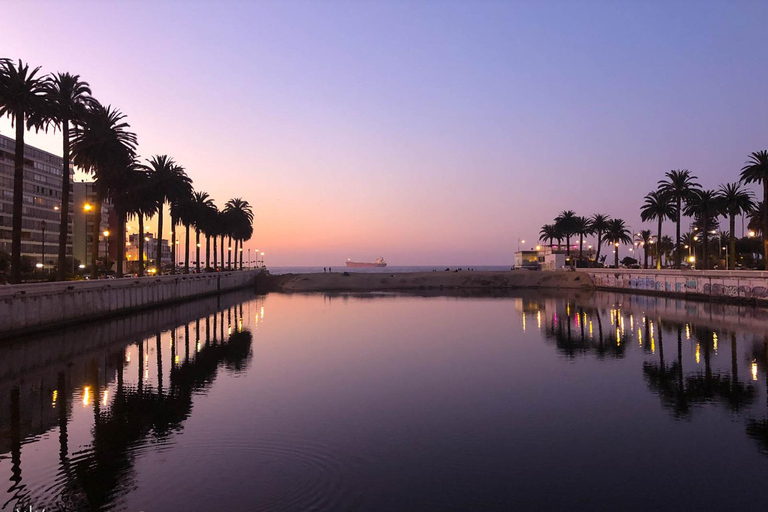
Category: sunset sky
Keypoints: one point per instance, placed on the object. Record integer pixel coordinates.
(425, 132)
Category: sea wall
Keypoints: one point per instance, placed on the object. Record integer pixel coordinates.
(739, 285)
(384, 281)
(33, 307)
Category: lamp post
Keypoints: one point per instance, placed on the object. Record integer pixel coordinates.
(262, 260)
(518, 243)
(106, 248)
(249, 258)
(86, 208)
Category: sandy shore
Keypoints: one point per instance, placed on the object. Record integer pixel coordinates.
(363, 282)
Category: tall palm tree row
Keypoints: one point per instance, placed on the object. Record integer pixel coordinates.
(202, 206)
(566, 224)
(756, 171)
(705, 206)
(97, 140)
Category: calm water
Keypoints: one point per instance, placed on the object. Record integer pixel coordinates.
(392, 402)
(388, 268)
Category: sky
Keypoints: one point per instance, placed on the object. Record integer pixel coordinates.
(428, 132)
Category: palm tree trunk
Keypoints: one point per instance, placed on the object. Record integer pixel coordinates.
(208, 251)
(141, 245)
(581, 244)
(64, 208)
(159, 251)
(645, 256)
(173, 244)
(599, 245)
(215, 252)
(18, 199)
(120, 242)
(568, 245)
(765, 221)
(705, 249)
(222, 251)
(677, 233)
(186, 249)
(658, 246)
(241, 255)
(95, 236)
(616, 256)
(197, 250)
(229, 254)
(732, 244)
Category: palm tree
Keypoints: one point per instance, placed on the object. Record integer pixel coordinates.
(645, 238)
(169, 182)
(658, 206)
(705, 206)
(66, 97)
(582, 226)
(667, 248)
(551, 233)
(736, 201)
(21, 99)
(102, 145)
(566, 223)
(241, 219)
(617, 234)
(202, 204)
(599, 225)
(129, 198)
(756, 171)
(183, 210)
(679, 184)
(755, 218)
(140, 203)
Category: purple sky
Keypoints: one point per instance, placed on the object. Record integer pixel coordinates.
(424, 132)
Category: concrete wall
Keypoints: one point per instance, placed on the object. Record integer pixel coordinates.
(729, 285)
(33, 307)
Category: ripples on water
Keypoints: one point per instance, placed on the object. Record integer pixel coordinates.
(392, 402)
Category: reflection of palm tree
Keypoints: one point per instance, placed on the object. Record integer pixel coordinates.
(758, 429)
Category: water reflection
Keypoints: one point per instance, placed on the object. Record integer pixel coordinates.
(386, 401)
(126, 414)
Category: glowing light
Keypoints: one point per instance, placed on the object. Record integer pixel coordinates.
(86, 395)
(714, 340)
(176, 359)
(754, 370)
(523, 322)
(127, 357)
(106, 232)
(618, 338)
(687, 332)
(751, 234)
(590, 328)
(640, 337)
(54, 397)
(87, 207)
(105, 400)
(698, 353)
(538, 318)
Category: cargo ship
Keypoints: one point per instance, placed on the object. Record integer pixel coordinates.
(378, 263)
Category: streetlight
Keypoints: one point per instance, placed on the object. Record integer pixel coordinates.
(106, 249)
(262, 259)
(518, 243)
(87, 207)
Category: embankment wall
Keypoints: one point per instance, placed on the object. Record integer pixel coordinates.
(34, 307)
(739, 285)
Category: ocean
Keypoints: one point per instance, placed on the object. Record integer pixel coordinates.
(388, 268)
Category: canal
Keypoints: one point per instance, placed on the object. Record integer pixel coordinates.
(523, 400)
